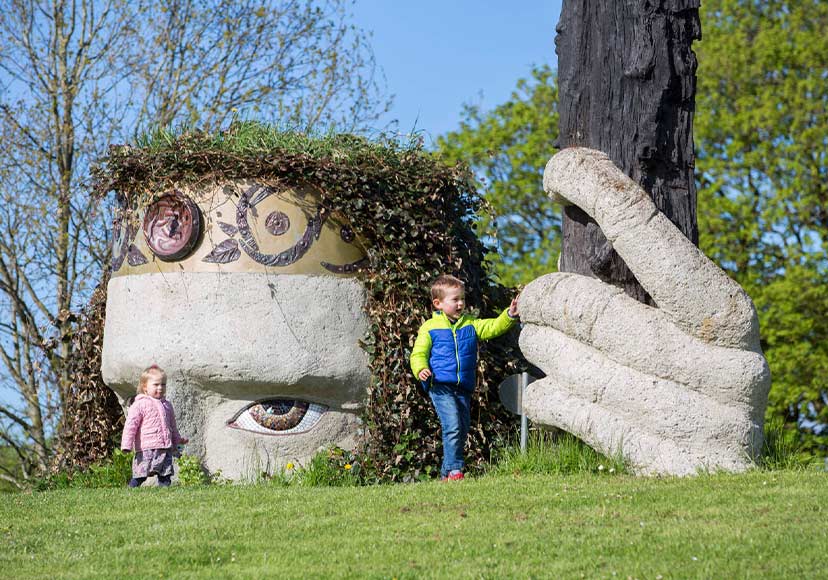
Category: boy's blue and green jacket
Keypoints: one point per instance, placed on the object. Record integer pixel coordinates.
(450, 350)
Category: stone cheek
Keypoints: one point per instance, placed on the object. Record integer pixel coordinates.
(247, 227)
(239, 345)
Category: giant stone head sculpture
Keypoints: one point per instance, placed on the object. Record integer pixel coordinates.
(244, 292)
(252, 265)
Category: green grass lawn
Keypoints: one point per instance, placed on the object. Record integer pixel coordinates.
(758, 525)
(8, 461)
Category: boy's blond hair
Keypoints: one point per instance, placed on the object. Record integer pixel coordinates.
(150, 371)
(443, 283)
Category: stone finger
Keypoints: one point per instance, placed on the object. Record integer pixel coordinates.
(603, 401)
(640, 337)
(684, 283)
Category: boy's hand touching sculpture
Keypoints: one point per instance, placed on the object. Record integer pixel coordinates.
(513, 308)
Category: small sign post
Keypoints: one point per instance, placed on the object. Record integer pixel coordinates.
(511, 395)
(524, 422)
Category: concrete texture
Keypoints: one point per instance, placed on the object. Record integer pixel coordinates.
(675, 389)
(228, 340)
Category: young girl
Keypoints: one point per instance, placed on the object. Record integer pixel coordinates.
(151, 430)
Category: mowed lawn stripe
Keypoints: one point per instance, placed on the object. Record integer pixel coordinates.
(756, 525)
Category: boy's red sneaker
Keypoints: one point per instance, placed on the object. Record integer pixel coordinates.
(457, 476)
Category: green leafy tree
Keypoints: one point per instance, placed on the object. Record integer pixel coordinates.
(507, 148)
(762, 140)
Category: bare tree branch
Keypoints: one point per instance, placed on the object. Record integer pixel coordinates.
(17, 419)
(79, 75)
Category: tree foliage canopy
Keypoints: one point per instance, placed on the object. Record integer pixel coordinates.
(762, 135)
(508, 148)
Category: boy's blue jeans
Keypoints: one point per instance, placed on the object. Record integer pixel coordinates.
(453, 408)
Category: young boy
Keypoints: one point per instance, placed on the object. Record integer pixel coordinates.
(445, 360)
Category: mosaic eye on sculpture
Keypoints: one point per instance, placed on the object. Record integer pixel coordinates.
(278, 417)
(172, 226)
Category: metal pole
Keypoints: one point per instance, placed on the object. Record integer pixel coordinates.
(524, 422)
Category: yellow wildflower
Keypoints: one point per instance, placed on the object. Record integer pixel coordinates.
(289, 466)
(348, 466)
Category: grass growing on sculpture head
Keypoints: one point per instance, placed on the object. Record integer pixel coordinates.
(247, 140)
(754, 525)
(416, 215)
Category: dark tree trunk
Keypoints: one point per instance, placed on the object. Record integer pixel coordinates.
(627, 85)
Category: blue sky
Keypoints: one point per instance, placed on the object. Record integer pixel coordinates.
(436, 56)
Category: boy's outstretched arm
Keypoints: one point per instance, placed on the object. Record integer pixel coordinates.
(421, 353)
(488, 328)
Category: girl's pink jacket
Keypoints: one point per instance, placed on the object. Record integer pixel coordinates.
(150, 424)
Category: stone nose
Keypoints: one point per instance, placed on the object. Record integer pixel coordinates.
(237, 329)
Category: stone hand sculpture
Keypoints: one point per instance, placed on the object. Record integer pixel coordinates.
(675, 389)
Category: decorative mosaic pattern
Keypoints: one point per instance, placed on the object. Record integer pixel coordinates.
(251, 247)
(279, 417)
(345, 268)
(224, 253)
(286, 230)
(135, 257)
(277, 223)
(122, 243)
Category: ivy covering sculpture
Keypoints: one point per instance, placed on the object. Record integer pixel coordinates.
(299, 298)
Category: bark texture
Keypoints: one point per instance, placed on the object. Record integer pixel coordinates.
(627, 84)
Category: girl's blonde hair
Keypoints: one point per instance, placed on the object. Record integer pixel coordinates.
(150, 371)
